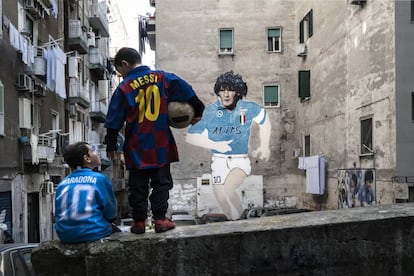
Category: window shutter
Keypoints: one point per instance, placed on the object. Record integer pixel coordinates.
(273, 33)
(301, 30)
(310, 21)
(271, 94)
(304, 84)
(226, 39)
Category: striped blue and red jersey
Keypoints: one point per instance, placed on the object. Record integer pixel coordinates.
(140, 102)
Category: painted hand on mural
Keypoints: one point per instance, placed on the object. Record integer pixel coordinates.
(263, 151)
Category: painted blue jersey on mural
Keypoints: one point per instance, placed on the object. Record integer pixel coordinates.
(84, 205)
(141, 101)
(225, 125)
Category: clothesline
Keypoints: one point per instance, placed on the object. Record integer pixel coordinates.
(50, 43)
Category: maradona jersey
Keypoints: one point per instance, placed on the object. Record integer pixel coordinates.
(141, 101)
(84, 205)
(225, 125)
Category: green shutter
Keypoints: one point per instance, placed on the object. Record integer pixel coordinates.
(1, 97)
(310, 23)
(301, 30)
(304, 84)
(226, 40)
(271, 95)
(273, 33)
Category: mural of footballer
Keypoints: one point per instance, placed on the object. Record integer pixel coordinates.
(225, 129)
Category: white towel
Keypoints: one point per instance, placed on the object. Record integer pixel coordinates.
(315, 173)
(33, 143)
(60, 72)
(14, 36)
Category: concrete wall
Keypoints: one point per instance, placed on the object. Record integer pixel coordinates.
(362, 241)
(404, 41)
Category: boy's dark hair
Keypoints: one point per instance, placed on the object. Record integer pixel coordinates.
(128, 54)
(74, 153)
(231, 81)
(369, 176)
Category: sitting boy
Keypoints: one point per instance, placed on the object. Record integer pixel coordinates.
(85, 205)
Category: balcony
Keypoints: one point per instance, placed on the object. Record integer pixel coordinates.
(78, 93)
(151, 32)
(97, 62)
(98, 18)
(78, 39)
(44, 152)
(98, 111)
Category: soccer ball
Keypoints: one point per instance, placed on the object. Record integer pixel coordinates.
(180, 114)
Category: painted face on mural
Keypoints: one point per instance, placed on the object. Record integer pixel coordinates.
(227, 98)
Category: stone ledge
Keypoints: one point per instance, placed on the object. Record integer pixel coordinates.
(369, 241)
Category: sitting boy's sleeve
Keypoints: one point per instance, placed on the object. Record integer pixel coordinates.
(108, 200)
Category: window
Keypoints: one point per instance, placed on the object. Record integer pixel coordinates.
(412, 106)
(226, 41)
(1, 109)
(304, 85)
(366, 137)
(306, 27)
(306, 141)
(274, 39)
(271, 96)
(412, 11)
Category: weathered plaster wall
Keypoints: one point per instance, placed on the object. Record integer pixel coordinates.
(351, 56)
(404, 50)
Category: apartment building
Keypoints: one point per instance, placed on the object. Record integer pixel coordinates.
(333, 77)
(55, 84)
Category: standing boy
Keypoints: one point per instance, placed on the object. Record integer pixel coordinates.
(141, 101)
(85, 205)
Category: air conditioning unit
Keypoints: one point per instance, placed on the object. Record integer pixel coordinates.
(301, 50)
(73, 67)
(358, 2)
(73, 111)
(39, 66)
(24, 83)
(48, 187)
(34, 9)
(91, 39)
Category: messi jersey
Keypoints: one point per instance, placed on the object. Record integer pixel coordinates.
(84, 204)
(225, 125)
(141, 101)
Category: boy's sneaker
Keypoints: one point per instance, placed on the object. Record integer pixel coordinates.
(162, 225)
(138, 227)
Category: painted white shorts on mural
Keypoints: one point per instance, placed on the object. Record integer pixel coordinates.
(222, 164)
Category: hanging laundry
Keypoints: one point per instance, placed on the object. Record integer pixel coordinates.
(315, 167)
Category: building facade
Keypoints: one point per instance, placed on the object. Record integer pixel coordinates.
(55, 84)
(335, 85)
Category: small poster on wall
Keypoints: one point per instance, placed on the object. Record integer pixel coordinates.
(356, 188)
